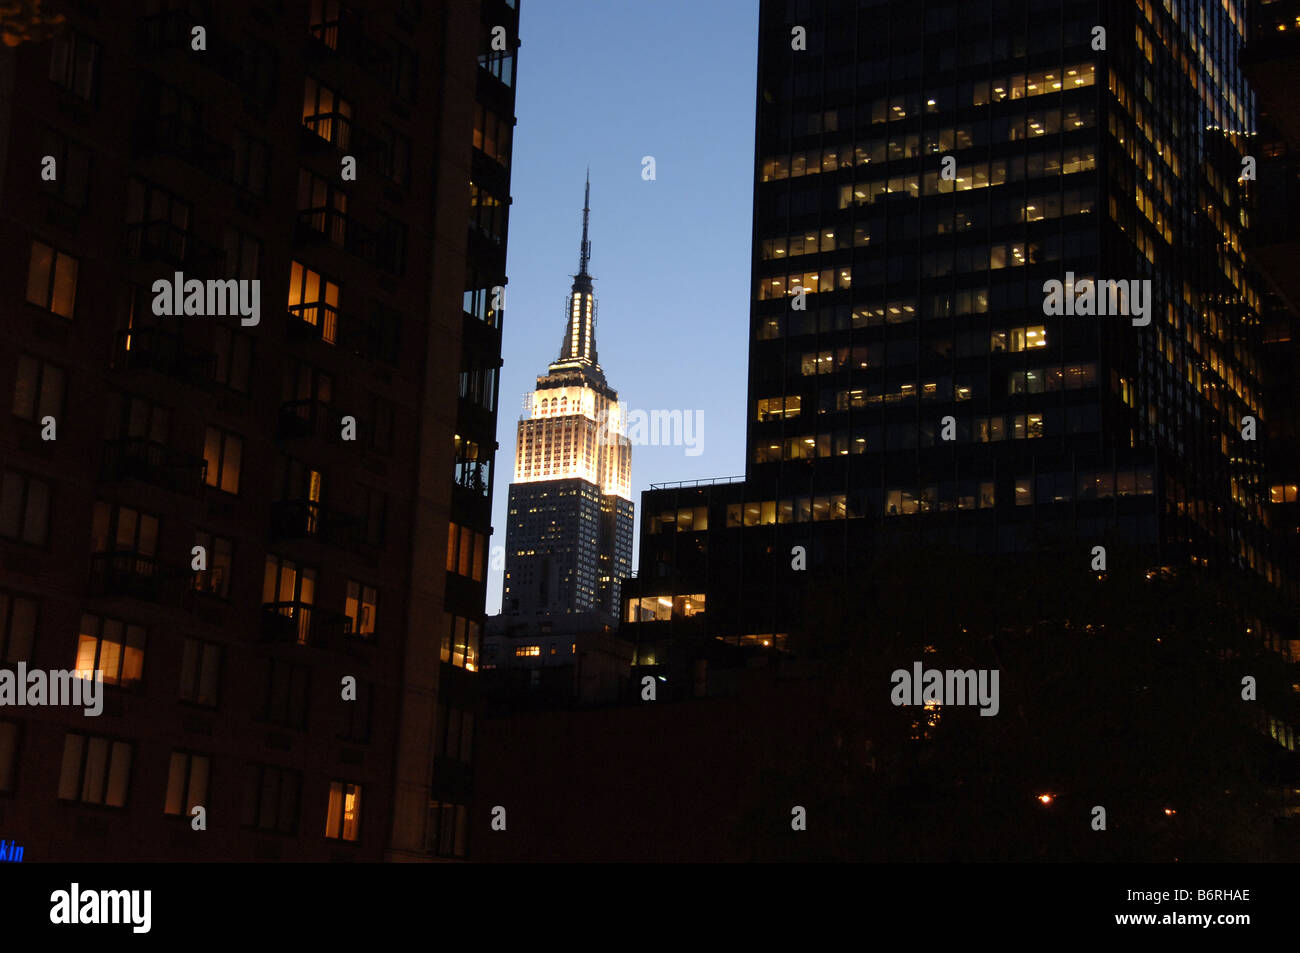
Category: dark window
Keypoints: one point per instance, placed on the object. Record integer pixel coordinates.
(356, 719)
(397, 156)
(404, 74)
(200, 672)
(271, 799)
(95, 770)
(243, 254)
(142, 418)
(234, 359)
(252, 159)
(24, 508)
(379, 435)
(446, 830)
(286, 694)
(71, 168)
(38, 389)
(219, 552)
(17, 628)
(257, 70)
(223, 453)
(74, 64)
(388, 333)
(374, 514)
(158, 223)
(392, 238)
(187, 783)
(8, 755)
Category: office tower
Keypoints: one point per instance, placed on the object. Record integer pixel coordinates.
(921, 172)
(243, 518)
(569, 535)
(1272, 63)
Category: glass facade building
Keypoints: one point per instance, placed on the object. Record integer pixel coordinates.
(923, 174)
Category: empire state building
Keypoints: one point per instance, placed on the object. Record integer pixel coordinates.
(569, 526)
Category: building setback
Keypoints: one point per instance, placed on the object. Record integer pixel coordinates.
(246, 526)
(569, 535)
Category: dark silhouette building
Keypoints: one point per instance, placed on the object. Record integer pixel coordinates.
(242, 523)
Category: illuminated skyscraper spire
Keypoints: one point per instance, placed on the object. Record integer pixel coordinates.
(579, 345)
(569, 538)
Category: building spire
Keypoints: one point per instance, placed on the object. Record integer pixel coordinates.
(579, 346)
(584, 255)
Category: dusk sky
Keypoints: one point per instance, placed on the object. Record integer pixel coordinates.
(605, 84)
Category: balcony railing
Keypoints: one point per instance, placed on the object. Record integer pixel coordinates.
(136, 458)
(359, 337)
(334, 127)
(305, 519)
(287, 622)
(301, 623)
(163, 241)
(171, 135)
(347, 38)
(331, 224)
(314, 319)
(303, 418)
(173, 30)
(297, 519)
(164, 352)
(125, 574)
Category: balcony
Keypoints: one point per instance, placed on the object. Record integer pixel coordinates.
(314, 320)
(304, 519)
(304, 419)
(173, 136)
(172, 31)
(323, 224)
(162, 241)
(286, 622)
(297, 519)
(125, 574)
(346, 38)
(136, 458)
(360, 338)
(163, 352)
(332, 127)
(301, 623)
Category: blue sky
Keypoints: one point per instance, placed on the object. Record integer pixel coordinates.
(604, 83)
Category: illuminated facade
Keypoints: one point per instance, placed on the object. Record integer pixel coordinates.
(177, 435)
(569, 536)
(889, 299)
